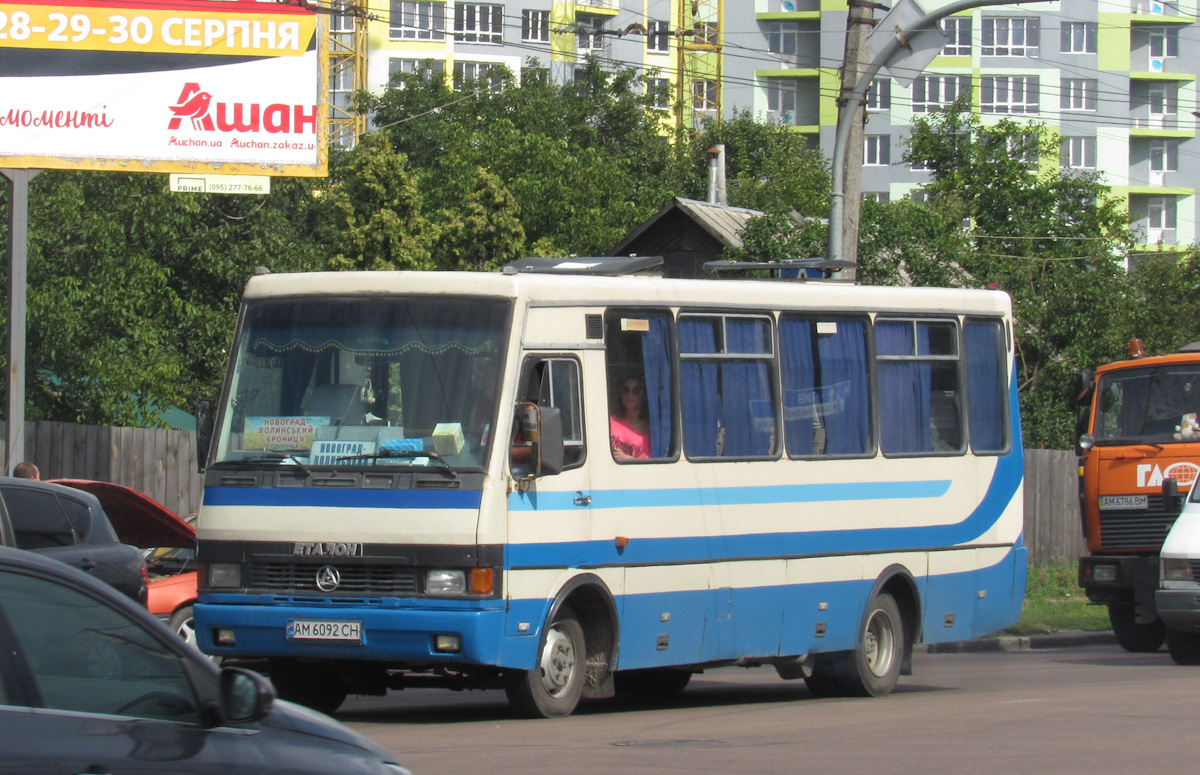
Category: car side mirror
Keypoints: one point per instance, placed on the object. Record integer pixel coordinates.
(245, 695)
(204, 430)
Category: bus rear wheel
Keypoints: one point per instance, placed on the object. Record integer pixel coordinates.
(1132, 635)
(872, 668)
(554, 687)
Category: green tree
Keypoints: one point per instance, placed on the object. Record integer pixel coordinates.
(485, 233)
(1053, 239)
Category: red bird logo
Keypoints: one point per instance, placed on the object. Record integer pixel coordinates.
(193, 104)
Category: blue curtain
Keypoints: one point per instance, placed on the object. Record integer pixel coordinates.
(799, 384)
(986, 385)
(701, 402)
(903, 391)
(845, 389)
(747, 412)
(656, 362)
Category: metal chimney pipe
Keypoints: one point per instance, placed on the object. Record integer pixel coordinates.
(717, 191)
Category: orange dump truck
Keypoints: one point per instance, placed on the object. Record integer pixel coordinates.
(1139, 454)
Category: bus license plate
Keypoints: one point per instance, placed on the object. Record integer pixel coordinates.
(309, 629)
(1122, 501)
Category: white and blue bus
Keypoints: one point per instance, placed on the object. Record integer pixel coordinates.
(573, 485)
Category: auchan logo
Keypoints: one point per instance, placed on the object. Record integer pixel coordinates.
(202, 114)
(1150, 475)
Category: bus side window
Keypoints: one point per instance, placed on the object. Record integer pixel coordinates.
(920, 403)
(555, 382)
(640, 384)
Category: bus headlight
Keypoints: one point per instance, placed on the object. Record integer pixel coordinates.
(224, 574)
(445, 582)
(1176, 569)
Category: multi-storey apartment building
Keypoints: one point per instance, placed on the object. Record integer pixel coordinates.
(1115, 79)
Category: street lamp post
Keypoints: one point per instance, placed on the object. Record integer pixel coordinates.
(858, 95)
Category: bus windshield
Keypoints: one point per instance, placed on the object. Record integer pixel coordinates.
(1147, 405)
(365, 382)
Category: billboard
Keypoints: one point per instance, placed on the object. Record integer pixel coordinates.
(227, 86)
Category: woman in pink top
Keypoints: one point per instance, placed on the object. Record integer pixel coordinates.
(629, 430)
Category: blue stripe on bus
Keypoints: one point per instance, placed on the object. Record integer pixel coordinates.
(337, 498)
(732, 496)
(1003, 487)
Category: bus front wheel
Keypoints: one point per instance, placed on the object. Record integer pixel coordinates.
(554, 687)
(313, 685)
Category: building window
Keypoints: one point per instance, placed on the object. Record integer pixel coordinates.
(875, 196)
(660, 91)
(1160, 213)
(932, 93)
(422, 67)
(535, 26)
(783, 96)
(590, 36)
(1078, 94)
(479, 23)
(1164, 155)
(783, 38)
(1078, 152)
(1009, 94)
(704, 95)
(658, 37)
(1164, 42)
(879, 96)
(1164, 104)
(878, 151)
(465, 72)
(958, 29)
(1078, 37)
(706, 34)
(418, 20)
(1010, 37)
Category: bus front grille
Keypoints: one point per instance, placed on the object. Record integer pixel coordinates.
(355, 580)
(1137, 528)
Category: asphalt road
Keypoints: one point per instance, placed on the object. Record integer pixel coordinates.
(1090, 709)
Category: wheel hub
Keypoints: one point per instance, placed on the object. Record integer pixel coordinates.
(558, 662)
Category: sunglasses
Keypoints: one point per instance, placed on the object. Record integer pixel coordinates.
(628, 390)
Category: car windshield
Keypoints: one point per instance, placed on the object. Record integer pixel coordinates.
(1156, 404)
(408, 382)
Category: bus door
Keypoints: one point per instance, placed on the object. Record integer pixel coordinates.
(548, 514)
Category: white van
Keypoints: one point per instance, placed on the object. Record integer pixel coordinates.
(1178, 596)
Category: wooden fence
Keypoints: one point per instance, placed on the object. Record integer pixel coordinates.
(159, 463)
(162, 464)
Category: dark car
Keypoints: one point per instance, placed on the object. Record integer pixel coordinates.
(70, 526)
(90, 682)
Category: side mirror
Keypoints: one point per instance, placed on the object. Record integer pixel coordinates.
(245, 695)
(204, 430)
(539, 448)
(1087, 384)
(1085, 443)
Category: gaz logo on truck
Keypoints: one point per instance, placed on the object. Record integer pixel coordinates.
(1150, 475)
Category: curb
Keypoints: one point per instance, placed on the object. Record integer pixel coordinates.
(1058, 640)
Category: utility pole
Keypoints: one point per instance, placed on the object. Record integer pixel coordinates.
(859, 22)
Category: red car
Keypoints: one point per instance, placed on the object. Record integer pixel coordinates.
(167, 541)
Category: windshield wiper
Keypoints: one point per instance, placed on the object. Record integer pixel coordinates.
(404, 453)
(279, 457)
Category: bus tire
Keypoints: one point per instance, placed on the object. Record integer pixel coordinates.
(555, 686)
(651, 682)
(875, 662)
(1184, 647)
(1132, 636)
(315, 686)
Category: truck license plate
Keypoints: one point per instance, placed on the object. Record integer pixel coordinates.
(1122, 501)
(309, 629)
